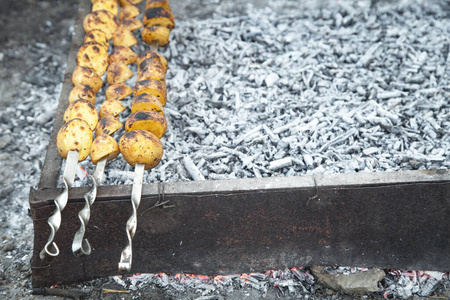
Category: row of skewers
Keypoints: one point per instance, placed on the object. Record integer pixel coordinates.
(140, 146)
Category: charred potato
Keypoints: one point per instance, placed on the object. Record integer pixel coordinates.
(118, 92)
(104, 146)
(82, 109)
(107, 125)
(159, 16)
(151, 55)
(123, 54)
(141, 147)
(100, 19)
(94, 56)
(156, 34)
(123, 37)
(151, 69)
(109, 5)
(96, 35)
(153, 87)
(75, 135)
(132, 24)
(83, 75)
(111, 108)
(158, 3)
(147, 120)
(125, 2)
(118, 73)
(82, 91)
(129, 11)
(146, 102)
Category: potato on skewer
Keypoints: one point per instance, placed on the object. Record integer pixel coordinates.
(147, 120)
(84, 75)
(100, 19)
(107, 125)
(118, 92)
(82, 91)
(153, 87)
(159, 16)
(146, 102)
(123, 54)
(132, 24)
(118, 73)
(156, 33)
(82, 109)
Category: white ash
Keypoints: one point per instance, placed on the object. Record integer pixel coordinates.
(304, 92)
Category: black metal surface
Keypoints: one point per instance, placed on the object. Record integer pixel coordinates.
(238, 230)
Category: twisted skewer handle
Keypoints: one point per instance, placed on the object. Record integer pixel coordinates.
(80, 245)
(51, 250)
(127, 253)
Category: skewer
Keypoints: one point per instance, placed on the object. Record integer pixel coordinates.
(50, 249)
(126, 257)
(80, 245)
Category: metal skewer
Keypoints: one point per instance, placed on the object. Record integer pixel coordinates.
(51, 250)
(127, 253)
(126, 257)
(80, 245)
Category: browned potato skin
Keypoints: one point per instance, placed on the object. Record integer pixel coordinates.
(96, 35)
(153, 87)
(151, 55)
(75, 135)
(146, 102)
(111, 108)
(118, 73)
(82, 91)
(118, 92)
(107, 125)
(132, 24)
(109, 5)
(94, 56)
(156, 33)
(124, 55)
(159, 16)
(141, 147)
(151, 68)
(128, 11)
(158, 3)
(123, 37)
(147, 120)
(125, 2)
(104, 146)
(83, 75)
(100, 19)
(82, 109)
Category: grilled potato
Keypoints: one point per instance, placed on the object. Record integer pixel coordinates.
(147, 120)
(109, 5)
(141, 147)
(118, 73)
(146, 102)
(111, 108)
(82, 109)
(153, 87)
(107, 125)
(152, 55)
(151, 68)
(159, 16)
(158, 3)
(157, 34)
(129, 11)
(104, 146)
(125, 2)
(93, 55)
(123, 37)
(83, 75)
(75, 135)
(82, 91)
(96, 35)
(132, 24)
(118, 92)
(100, 19)
(123, 54)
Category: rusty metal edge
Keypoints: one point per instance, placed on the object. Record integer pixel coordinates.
(53, 160)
